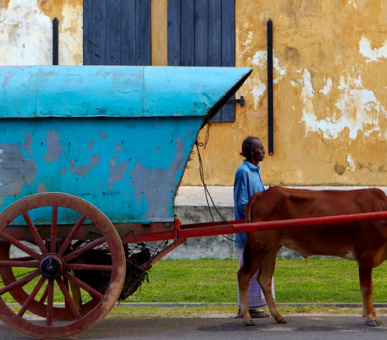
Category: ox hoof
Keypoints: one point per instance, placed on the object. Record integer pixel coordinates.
(281, 321)
(373, 322)
(249, 322)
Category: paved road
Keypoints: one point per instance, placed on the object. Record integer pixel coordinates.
(307, 327)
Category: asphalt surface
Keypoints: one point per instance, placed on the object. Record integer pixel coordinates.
(300, 327)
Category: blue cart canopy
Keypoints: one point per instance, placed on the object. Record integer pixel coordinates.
(117, 136)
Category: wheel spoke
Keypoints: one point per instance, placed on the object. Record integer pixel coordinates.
(22, 258)
(87, 247)
(69, 301)
(35, 233)
(84, 266)
(50, 302)
(19, 282)
(54, 226)
(93, 292)
(71, 235)
(31, 297)
(44, 295)
(19, 245)
(20, 264)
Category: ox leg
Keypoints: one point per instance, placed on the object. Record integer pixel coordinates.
(265, 279)
(366, 289)
(245, 274)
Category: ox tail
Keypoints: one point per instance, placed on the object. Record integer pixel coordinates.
(248, 209)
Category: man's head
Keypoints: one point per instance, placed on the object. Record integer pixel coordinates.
(253, 150)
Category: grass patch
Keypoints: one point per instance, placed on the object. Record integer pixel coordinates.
(314, 280)
(213, 281)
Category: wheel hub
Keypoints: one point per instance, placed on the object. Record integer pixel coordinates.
(51, 266)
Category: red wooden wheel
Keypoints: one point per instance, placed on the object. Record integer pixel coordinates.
(45, 269)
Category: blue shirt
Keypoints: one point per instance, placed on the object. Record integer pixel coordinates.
(247, 182)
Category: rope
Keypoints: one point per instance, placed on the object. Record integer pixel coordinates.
(202, 179)
(201, 172)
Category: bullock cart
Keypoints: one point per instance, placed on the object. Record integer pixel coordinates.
(91, 158)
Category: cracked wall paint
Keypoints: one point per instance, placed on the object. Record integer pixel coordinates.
(256, 86)
(54, 148)
(15, 171)
(27, 143)
(117, 171)
(83, 170)
(26, 32)
(372, 54)
(148, 184)
(358, 110)
(330, 108)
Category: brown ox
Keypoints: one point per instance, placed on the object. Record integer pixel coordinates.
(364, 242)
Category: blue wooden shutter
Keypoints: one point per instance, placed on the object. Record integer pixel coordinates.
(116, 32)
(202, 33)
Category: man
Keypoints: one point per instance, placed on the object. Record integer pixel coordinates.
(247, 182)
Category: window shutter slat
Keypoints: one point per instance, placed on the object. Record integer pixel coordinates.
(174, 32)
(202, 33)
(113, 41)
(143, 39)
(187, 27)
(116, 32)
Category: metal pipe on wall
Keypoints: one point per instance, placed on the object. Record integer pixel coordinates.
(55, 41)
(270, 110)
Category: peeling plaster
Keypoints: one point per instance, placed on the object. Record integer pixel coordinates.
(83, 170)
(327, 86)
(351, 163)
(280, 70)
(42, 188)
(260, 59)
(91, 145)
(117, 171)
(15, 171)
(27, 143)
(358, 109)
(248, 40)
(149, 184)
(352, 3)
(258, 91)
(26, 32)
(365, 49)
(54, 148)
(258, 88)
(102, 135)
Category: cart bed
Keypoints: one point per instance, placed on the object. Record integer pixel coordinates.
(118, 137)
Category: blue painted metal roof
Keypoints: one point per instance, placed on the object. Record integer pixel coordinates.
(115, 91)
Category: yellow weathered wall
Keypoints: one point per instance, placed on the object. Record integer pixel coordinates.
(330, 78)
(159, 32)
(26, 31)
(330, 106)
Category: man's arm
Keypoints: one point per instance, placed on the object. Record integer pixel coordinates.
(240, 194)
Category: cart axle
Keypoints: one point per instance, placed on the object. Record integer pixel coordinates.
(51, 266)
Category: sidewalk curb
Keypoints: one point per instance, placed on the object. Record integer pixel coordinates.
(201, 304)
